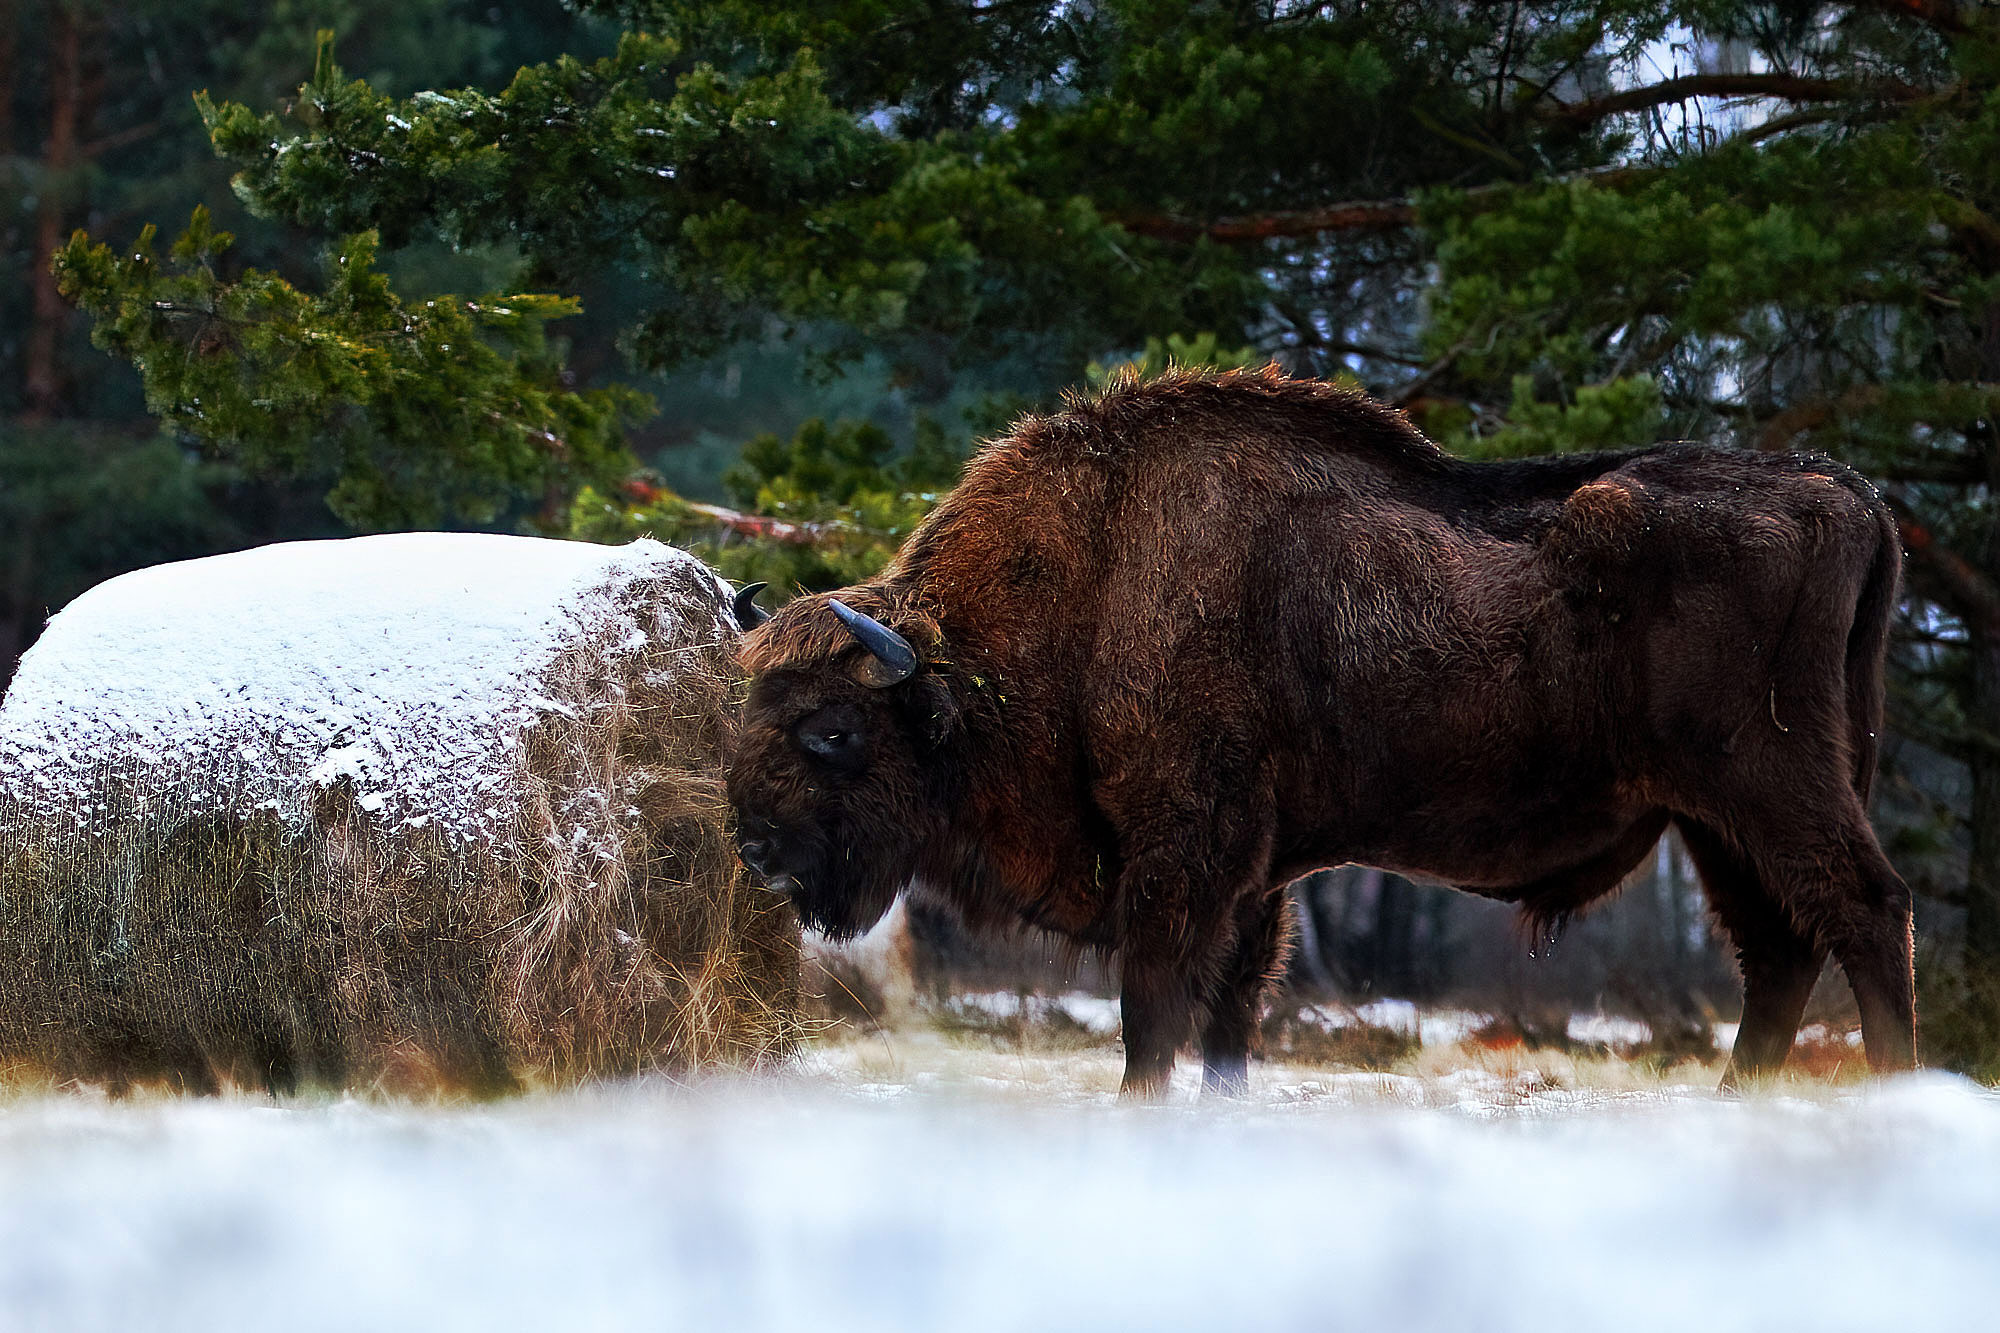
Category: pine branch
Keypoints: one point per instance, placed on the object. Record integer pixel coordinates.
(1777, 125)
(1355, 215)
(1810, 415)
(1779, 86)
(1977, 234)
(1944, 15)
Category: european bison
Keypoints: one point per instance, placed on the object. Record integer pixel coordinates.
(1165, 651)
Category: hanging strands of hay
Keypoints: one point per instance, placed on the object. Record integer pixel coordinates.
(427, 811)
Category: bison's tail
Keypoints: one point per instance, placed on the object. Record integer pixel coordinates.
(1868, 641)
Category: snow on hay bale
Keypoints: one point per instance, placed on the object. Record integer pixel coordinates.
(417, 810)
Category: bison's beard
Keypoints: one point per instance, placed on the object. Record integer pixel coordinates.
(842, 894)
(837, 915)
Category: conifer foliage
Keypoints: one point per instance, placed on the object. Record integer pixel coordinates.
(434, 408)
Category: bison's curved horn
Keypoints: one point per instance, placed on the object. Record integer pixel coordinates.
(749, 615)
(894, 659)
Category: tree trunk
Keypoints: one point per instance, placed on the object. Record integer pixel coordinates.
(1982, 888)
(1430, 976)
(1982, 897)
(1395, 925)
(41, 384)
(16, 591)
(9, 70)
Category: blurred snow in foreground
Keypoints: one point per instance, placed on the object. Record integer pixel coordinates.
(814, 1201)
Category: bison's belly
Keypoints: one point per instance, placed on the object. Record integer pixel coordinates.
(1518, 850)
(1491, 827)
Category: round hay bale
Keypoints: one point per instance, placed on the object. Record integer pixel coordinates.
(427, 810)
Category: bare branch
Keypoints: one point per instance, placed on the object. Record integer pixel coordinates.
(1371, 353)
(1955, 580)
(760, 525)
(735, 521)
(1946, 470)
(1430, 375)
(130, 135)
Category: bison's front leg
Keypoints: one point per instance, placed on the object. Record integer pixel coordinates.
(1158, 1010)
(1184, 914)
(1157, 964)
(1234, 1001)
(1192, 816)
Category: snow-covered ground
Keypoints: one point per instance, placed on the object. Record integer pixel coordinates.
(1098, 1015)
(892, 1183)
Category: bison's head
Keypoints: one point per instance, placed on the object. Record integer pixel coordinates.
(839, 778)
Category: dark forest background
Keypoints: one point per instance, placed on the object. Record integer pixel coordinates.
(754, 276)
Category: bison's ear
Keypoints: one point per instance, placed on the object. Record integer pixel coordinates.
(940, 709)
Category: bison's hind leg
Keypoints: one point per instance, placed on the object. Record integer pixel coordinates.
(1871, 934)
(1822, 870)
(1779, 965)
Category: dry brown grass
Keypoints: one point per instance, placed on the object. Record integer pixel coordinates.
(1036, 1024)
(1035, 1041)
(1293, 1036)
(159, 935)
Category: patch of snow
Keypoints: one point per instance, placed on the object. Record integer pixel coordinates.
(1604, 1030)
(1819, 1034)
(408, 665)
(1396, 1015)
(798, 1204)
(1000, 1005)
(1097, 1014)
(1448, 1027)
(1431, 1027)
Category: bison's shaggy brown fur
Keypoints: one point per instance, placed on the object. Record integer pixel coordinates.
(1192, 638)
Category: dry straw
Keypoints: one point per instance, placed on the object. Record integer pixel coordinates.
(176, 918)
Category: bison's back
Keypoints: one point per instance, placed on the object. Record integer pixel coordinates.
(1541, 644)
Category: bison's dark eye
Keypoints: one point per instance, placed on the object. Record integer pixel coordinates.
(833, 735)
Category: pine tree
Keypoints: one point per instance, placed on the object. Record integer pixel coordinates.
(97, 126)
(1798, 250)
